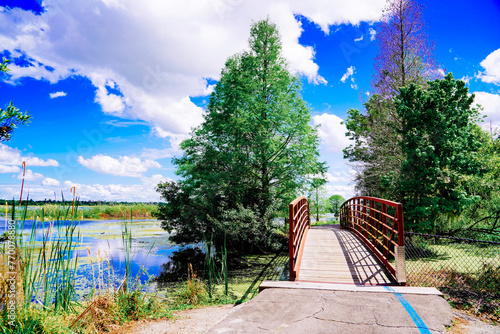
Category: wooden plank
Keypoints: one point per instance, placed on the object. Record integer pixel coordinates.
(335, 255)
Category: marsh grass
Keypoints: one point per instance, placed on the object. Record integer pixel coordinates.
(46, 267)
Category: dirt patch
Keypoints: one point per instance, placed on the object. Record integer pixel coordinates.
(466, 324)
(191, 321)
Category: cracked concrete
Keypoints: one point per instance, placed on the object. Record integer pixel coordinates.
(323, 311)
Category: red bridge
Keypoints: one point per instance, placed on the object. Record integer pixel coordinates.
(366, 248)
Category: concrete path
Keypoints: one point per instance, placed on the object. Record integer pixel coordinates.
(335, 255)
(326, 311)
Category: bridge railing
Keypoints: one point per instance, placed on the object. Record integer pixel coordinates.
(379, 224)
(299, 222)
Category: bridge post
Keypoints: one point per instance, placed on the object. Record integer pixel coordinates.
(384, 230)
(364, 220)
(399, 250)
(291, 227)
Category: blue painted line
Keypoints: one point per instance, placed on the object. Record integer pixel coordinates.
(411, 311)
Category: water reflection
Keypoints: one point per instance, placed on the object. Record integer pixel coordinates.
(100, 250)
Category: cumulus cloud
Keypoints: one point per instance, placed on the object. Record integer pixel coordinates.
(346, 191)
(145, 59)
(491, 65)
(123, 166)
(143, 192)
(12, 157)
(4, 169)
(331, 132)
(491, 109)
(30, 176)
(47, 182)
(57, 94)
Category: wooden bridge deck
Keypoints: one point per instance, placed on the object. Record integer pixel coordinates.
(338, 256)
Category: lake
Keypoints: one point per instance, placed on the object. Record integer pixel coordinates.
(150, 248)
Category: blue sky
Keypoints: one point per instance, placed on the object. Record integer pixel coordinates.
(115, 85)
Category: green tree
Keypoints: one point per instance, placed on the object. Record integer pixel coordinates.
(336, 202)
(440, 140)
(318, 200)
(11, 116)
(251, 155)
(404, 57)
(482, 220)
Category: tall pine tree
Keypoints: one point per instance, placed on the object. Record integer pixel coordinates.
(251, 155)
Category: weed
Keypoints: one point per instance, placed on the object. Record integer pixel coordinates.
(193, 291)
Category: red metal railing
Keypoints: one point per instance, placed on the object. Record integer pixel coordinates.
(379, 224)
(299, 223)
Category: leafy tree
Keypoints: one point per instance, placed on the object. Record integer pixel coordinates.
(482, 220)
(404, 57)
(11, 116)
(336, 202)
(440, 141)
(318, 200)
(250, 156)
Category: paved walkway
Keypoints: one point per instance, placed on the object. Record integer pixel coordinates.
(335, 255)
(328, 311)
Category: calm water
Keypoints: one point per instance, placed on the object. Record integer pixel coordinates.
(150, 247)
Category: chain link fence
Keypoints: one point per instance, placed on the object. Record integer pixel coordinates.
(466, 270)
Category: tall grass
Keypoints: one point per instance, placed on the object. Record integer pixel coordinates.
(47, 267)
(214, 275)
(46, 264)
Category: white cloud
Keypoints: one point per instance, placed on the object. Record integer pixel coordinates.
(491, 64)
(57, 94)
(372, 33)
(4, 169)
(123, 166)
(346, 191)
(144, 191)
(12, 157)
(349, 72)
(331, 132)
(491, 109)
(29, 175)
(110, 103)
(466, 79)
(47, 182)
(147, 58)
(155, 154)
(359, 39)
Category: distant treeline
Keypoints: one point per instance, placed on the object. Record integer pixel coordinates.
(70, 199)
(82, 210)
